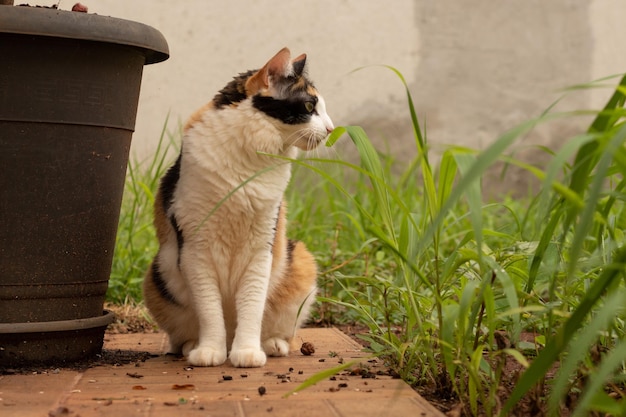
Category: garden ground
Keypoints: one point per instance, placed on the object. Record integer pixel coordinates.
(134, 377)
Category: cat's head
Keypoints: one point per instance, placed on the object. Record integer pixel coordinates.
(282, 91)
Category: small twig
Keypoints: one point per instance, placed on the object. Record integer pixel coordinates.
(616, 389)
(341, 265)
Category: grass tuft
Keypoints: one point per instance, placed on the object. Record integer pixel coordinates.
(136, 243)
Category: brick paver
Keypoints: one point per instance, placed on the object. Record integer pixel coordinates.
(167, 386)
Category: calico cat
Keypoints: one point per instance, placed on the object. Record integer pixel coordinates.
(226, 281)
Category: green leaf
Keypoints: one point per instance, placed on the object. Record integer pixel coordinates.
(320, 376)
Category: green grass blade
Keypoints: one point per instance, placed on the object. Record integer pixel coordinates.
(557, 344)
(612, 361)
(483, 161)
(473, 194)
(580, 346)
(587, 156)
(605, 120)
(586, 221)
(447, 176)
(320, 376)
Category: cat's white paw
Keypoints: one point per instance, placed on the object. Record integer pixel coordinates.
(206, 356)
(248, 358)
(275, 346)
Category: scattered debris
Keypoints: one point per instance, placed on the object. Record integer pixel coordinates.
(307, 348)
(134, 375)
(81, 8)
(109, 400)
(54, 6)
(183, 387)
(262, 390)
(78, 7)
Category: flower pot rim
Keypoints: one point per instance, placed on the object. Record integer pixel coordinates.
(84, 26)
(105, 319)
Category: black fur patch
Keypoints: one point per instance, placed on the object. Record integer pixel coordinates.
(179, 234)
(291, 111)
(168, 186)
(234, 92)
(169, 183)
(291, 245)
(275, 228)
(298, 67)
(290, 106)
(159, 283)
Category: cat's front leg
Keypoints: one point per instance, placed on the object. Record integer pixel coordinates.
(211, 347)
(246, 351)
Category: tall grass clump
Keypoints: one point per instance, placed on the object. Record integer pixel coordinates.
(136, 242)
(457, 291)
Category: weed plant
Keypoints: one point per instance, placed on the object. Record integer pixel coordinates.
(449, 284)
(457, 291)
(136, 243)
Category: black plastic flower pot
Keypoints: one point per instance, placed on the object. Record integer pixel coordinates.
(69, 89)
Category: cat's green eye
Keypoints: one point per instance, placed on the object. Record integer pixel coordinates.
(309, 106)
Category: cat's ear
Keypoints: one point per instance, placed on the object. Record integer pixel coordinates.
(298, 65)
(280, 65)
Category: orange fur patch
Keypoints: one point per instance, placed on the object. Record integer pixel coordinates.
(301, 273)
(197, 115)
(300, 277)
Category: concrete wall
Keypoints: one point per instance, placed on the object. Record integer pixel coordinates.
(475, 67)
(212, 41)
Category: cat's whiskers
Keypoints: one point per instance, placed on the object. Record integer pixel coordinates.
(308, 134)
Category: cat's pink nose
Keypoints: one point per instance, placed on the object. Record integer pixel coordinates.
(329, 129)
